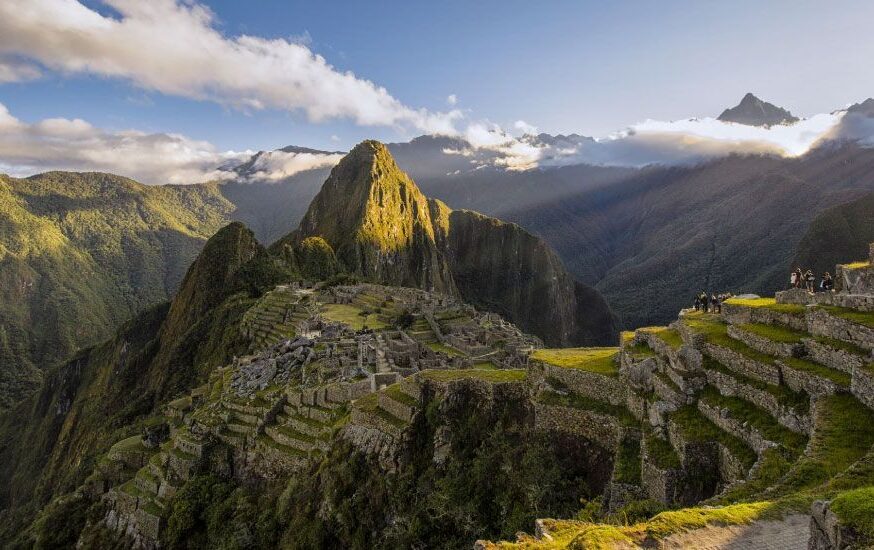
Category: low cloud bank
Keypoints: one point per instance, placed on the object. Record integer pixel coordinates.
(64, 144)
(655, 142)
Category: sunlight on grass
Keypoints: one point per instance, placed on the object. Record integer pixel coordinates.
(597, 360)
(352, 316)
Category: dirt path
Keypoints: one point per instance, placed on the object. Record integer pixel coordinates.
(789, 534)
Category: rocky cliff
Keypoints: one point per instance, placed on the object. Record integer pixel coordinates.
(384, 229)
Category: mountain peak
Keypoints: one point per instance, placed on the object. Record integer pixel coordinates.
(753, 111)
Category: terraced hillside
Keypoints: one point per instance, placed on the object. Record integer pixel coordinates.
(760, 417)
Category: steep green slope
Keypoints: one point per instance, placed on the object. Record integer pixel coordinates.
(50, 442)
(80, 253)
(836, 236)
(377, 221)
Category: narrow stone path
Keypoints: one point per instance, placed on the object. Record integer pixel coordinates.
(791, 533)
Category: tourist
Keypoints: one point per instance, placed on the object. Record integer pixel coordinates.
(716, 304)
(793, 279)
(827, 283)
(705, 301)
(697, 302)
(809, 279)
(799, 278)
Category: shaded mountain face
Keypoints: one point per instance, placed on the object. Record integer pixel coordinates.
(383, 228)
(80, 253)
(650, 242)
(838, 235)
(752, 111)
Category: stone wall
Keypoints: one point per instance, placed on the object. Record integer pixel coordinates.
(835, 358)
(821, 323)
(863, 386)
(396, 408)
(600, 428)
(787, 417)
(812, 384)
(766, 345)
(743, 365)
(374, 443)
(596, 386)
(827, 532)
(741, 430)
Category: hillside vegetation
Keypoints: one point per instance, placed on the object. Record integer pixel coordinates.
(81, 253)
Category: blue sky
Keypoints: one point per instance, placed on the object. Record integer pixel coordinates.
(564, 66)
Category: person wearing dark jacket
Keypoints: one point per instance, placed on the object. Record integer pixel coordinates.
(705, 301)
(827, 283)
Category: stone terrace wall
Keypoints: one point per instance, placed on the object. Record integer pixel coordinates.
(602, 429)
(595, 386)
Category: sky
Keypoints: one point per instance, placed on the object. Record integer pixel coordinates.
(224, 77)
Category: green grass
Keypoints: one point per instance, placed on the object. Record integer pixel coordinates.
(856, 508)
(265, 440)
(661, 453)
(775, 333)
(666, 380)
(747, 413)
(844, 434)
(487, 375)
(351, 315)
(602, 536)
(716, 332)
(628, 461)
(670, 336)
(768, 303)
(640, 351)
(596, 360)
(838, 377)
(576, 401)
(864, 318)
(443, 348)
(697, 428)
(131, 444)
(841, 345)
(394, 391)
(798, 401)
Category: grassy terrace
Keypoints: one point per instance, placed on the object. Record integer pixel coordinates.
(640, 351)
(265, 440)
(670, 336)
(775, 333)
(844, 435)
(856, 508)
(799, 401)
(841, 345)
(838, 377)
(716, 333)
(748, 413)
(695, 427)
(351, 315)
(443, 348)
(661, 453)
(394, 391)
(864, 318)
(769, 303)
(597, 360)
(628, 461)
(487, 375)
(583, 534)
(575, 401)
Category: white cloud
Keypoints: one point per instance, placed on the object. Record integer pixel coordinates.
(524, 127)
(63, 144)
(16, 71)
(174, 48)
(452, 99)
(656, 142)
(277, 165)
